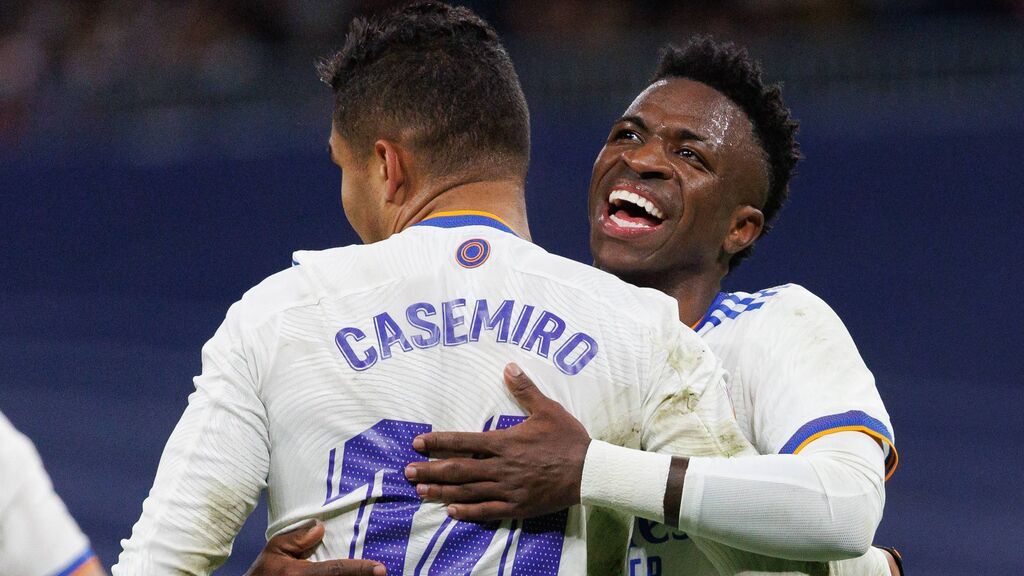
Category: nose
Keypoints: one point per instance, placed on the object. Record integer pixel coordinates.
(648, 161)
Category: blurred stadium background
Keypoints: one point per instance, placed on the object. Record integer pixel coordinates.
(158, 158)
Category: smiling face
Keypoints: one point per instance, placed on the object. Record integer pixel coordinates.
(676, 189)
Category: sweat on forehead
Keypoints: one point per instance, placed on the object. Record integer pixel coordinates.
(675, 104)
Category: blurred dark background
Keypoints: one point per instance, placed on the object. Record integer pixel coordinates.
(158, 158)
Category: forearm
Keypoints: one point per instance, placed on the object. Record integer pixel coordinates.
(875, 562)
(821, 505)
(195, 508)
(626, 480)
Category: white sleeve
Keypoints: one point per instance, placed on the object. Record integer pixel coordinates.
(212, 470)
(686, 412)
(38, 537)
(822, 505)
(873, 563)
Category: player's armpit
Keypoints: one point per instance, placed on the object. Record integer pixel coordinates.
(530, 469)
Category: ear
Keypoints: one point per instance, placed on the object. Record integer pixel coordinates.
(392, 169)
(746, 227)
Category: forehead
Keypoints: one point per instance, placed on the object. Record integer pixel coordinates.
(675, 103)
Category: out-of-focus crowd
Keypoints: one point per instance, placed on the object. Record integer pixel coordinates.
(69, 59)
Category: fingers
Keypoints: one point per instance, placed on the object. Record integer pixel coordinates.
(344, 568)
(464, 493)
(523, 389)
(454, 442)
(298, 543)
(451, 471)
(483, 512)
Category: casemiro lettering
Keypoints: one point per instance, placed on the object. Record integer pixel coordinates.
(459, 322)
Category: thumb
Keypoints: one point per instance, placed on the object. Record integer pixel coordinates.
(299, 543)
(523, 389)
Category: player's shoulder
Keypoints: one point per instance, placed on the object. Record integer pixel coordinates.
(789, 304)
(289, 288)
(791, 297)
(16, 453)
(799, 307)
(601, 290)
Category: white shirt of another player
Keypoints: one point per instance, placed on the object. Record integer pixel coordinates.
(795, 376)
(320, 377)
(37, 535)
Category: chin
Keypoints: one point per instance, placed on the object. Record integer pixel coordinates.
(622, 265)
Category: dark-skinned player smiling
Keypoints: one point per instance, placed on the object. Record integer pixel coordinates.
(689, 178)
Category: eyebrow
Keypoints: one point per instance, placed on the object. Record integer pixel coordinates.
(681, 134)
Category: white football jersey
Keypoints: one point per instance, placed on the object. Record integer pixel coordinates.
(321, 376)
(794, 375)
(37, 535)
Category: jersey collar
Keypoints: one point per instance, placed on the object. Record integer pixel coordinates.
(707, 314)
(459, 218)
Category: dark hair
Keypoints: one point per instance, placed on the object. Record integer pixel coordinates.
(437, 78)
(730, 70)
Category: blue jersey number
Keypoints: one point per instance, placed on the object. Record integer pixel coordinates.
(380, 454)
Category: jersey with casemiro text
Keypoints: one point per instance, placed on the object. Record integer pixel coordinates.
(320, 377)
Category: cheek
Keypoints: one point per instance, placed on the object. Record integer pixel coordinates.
(604, 162)
(350, 199)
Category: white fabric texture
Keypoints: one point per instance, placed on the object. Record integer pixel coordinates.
(612, 473)
(824, 503)
(790, 363)
(38, 537)
(873, 563)
(319, 378)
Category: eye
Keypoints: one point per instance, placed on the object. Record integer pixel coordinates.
(689, 154)
(626, 135)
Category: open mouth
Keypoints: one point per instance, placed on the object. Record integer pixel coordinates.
(632, 211)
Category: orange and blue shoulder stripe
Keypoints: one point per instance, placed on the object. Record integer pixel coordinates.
(852, 421)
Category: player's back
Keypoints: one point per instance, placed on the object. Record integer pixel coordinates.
(321, 376)
(411, 335)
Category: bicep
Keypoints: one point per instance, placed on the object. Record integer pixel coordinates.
(809, 381)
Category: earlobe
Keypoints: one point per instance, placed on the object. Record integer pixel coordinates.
(747, 224)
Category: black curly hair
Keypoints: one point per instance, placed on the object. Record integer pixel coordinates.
(728, 69)
(437, 78)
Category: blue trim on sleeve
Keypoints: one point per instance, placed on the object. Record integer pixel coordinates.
(826, 423)
(77, 563)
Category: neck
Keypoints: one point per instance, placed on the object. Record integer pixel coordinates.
(695, 295)
(503, 198)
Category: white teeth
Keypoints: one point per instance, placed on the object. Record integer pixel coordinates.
(619, 196)
(626, 223)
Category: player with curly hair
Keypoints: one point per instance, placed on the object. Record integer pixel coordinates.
(689, 178)
(319, 378)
